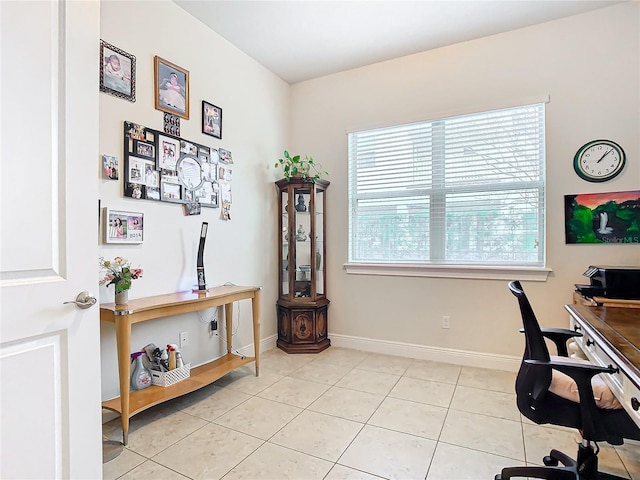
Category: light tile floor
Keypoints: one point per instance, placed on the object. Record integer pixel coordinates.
(345, 415)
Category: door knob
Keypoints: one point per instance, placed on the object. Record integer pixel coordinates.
(84, 300)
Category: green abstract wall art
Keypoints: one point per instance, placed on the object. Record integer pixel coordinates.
(605, 218)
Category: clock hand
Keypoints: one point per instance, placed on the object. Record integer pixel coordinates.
(604, 155)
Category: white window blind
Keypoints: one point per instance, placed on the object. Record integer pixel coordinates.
(463, 190)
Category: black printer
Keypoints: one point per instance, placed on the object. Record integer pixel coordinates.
(612, 282)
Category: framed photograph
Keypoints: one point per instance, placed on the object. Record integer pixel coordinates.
(225, 156)
(123, 227)
(192, 209)
(136, 171)
(168, 152)
(172, 124)
(146, 150)
(134, 190)
(171, 88)
(152, 193)
(134, 131)
(170, 191)
(225, 173)
(152, 177)
(110, 167)
(208, 195)
(117, 72)
(211, 120)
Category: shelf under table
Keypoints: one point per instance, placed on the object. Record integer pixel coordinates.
(199, 377)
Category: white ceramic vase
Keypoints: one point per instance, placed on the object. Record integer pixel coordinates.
(122, 297)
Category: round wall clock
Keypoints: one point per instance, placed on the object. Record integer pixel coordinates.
(599, 160)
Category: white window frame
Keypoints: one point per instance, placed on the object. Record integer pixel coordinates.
(531, 272)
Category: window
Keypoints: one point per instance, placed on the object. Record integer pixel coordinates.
(458, 191)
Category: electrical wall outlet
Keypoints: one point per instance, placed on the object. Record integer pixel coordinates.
(184, 339)
(445, 321)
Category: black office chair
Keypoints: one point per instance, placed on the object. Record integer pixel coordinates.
(538, 404)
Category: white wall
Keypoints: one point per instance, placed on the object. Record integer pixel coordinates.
(256, 109)
(591, 73)
(588, 64)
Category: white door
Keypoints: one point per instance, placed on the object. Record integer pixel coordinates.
(49, 352)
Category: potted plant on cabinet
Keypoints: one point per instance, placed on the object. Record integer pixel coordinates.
(304, 167)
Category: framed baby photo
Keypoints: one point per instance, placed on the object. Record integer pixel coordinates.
(171, 88)
(123, 227)
(211, 120)
(117, 72)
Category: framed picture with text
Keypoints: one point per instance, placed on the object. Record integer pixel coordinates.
(123, 227)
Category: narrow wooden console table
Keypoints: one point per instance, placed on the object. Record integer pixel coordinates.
(149, 308)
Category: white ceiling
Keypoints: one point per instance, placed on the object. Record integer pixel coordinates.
(300, 40)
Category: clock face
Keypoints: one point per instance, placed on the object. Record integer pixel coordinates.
(599, 160)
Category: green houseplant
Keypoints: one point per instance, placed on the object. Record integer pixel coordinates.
(304, 167)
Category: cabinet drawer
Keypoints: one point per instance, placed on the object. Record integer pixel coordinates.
(632, 400)
(597, 356)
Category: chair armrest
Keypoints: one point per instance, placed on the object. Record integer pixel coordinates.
(581, 373)
(559, 336)
(575, 370)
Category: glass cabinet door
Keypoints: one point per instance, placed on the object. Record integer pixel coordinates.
(318, 246)
(302, 232)
(302, 241)
(284, 243)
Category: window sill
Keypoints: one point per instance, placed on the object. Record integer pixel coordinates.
(531, 274)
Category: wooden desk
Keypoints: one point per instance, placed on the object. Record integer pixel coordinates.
(149, 308)
(611, 336)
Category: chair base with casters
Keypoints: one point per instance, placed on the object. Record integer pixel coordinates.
(584, 468)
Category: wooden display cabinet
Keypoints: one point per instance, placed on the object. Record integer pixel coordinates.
(302, 301)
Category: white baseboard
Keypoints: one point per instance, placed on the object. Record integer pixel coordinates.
(422, 352)
(425, 352)
(265, 344)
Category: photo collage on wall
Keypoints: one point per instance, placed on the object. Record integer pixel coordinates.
(162, 167)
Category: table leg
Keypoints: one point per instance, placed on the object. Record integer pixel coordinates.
(255, 309)
(228, 318)
(123, 343)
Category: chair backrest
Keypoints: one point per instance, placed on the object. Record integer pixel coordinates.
(532, 383)
(535, 346)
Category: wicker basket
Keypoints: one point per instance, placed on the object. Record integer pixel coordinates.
(166, 379)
